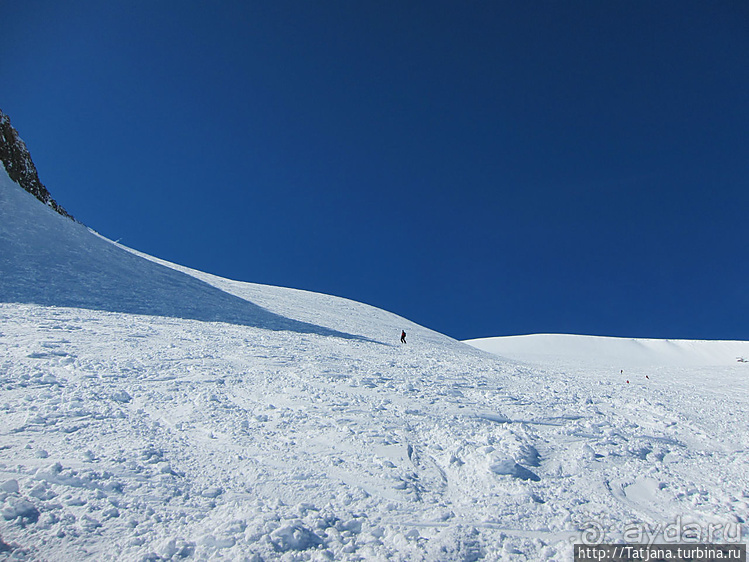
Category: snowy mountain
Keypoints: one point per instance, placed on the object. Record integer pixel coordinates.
(153, 412)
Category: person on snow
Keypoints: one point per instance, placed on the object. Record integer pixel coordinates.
(403, 336)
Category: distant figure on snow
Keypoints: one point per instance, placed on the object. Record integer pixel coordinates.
(403, 336)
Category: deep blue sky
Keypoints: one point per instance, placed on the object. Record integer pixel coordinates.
(482, 168)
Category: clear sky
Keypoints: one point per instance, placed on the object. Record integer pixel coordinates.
(482, 168)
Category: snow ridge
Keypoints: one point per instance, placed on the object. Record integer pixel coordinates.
(51, 261)
(610, 351)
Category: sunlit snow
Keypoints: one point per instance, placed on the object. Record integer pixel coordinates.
(150, 411)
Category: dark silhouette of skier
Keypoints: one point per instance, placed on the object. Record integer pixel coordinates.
(403, 336)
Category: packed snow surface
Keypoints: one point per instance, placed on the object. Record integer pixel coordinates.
(152, 412)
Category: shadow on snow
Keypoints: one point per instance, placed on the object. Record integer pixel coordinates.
(51, 261)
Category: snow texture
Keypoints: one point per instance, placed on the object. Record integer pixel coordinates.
(152, 412)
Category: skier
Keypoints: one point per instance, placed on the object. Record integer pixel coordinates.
(403, 336)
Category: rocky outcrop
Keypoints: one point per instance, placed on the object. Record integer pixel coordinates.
(17, 161)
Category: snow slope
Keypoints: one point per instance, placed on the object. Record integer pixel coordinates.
(151, 412)
(606, 351)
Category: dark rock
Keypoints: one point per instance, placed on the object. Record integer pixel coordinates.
(17, 161)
